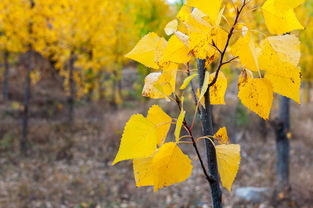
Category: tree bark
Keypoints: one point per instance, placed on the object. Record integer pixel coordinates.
(5, 89)
(282, 126)
(207, 129)
(116, 89)
(27, 91)
(71, 97)
(27, 95)
(307, 93)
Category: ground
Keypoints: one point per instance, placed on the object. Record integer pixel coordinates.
(70, 165)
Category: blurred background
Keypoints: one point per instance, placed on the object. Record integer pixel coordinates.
(67, 91)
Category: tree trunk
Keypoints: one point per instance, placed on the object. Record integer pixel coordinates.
(114, 86)
(282, 126)
(6, 76)
(71, 97)
(207, 129)
(307, 92)
(117, 88)
(27, 95)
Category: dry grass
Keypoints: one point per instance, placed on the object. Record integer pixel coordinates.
(71, 166)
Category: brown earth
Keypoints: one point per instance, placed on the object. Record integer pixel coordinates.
(70, 166)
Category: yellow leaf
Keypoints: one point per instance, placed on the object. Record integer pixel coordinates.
(149, 90)
(286, 80)
(159, 85)
(201, 101)
(228, 161)
(205, 85)
(183, 38)
(211, 8)
(171, 27)
(170, 166)
(246, 50)
(219, 17)
(201, 43)
(187, 80)
(284, 48)
(196, 24)
(279, 22)
(279, 57)
(167, 81)
(184, 13)
(198, 13)
(143, 171)
(161, 120)
(244, 78)
(289, 135)
(145, 50)
(139, 139)
(179, 124)
(284, 5)
(221, 136)
(176, 51)
(257, 95)
(217, 91)
(159, 51)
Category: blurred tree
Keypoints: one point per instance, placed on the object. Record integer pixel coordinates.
(306, 14)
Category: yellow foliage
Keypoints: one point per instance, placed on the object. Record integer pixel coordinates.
(280, 21)
(187, 80)
(149, 89)
(161, 120)
(221, 136)
(244, 78)
(184, 13)
(279, 57)
(159, 85)
(205, 86)
(171, 27)
(284, 5)
(139, 139)
(257, 95)
(246, 50)
(170, 166)
(143, 171)
(145, 50)
(176, 51)
(228, 161)
(201, 43)
(179, 123)
(217, 91)
(210, 8)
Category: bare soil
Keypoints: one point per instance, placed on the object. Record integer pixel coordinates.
(69, 166)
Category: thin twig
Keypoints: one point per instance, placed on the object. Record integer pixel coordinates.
(209, 178)
(184, 142)
(227, 43)
(215, 46)
(185, 136)
(230, 60)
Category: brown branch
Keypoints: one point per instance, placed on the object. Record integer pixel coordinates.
(185, 124)
(230, 60)
(230, 34)
(215, 46)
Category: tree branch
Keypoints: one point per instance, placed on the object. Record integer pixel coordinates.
(230, 34)
(209, 178)
(230, 60)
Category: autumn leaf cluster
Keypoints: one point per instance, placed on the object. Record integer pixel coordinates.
(219, 33)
